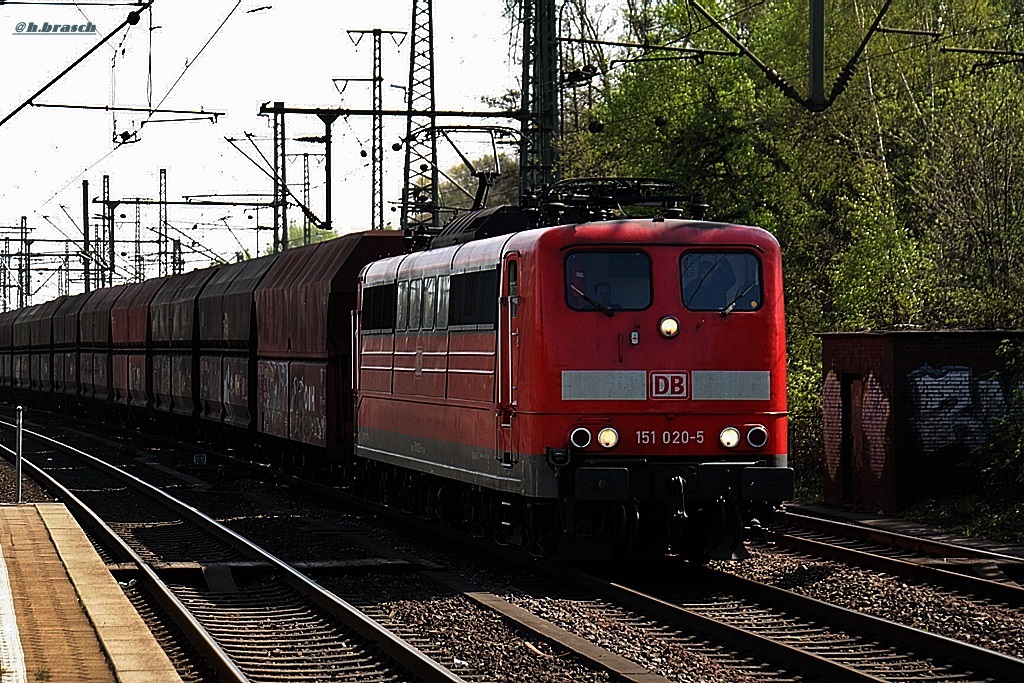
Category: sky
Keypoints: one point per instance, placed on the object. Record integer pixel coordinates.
(266, 51)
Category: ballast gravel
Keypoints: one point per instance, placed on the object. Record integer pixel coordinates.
(979, 622)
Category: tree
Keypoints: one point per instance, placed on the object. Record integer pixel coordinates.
(296, 236)
(458, 192)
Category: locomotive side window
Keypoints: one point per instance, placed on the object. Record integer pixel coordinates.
(513, 288)
(379, 308)
(721, 281)
(473, 300)
(429, 298)
(442, 302)
(608, 280)
(402, 321)
(415, 312)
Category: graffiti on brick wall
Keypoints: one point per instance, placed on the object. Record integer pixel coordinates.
(833, 397)
(953, 406)
(874, 410)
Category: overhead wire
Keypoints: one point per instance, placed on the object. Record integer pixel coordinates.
(116, 50)
(191, 62)
(118, 146)
(196, 246)
(57, 228)
(149, 69)
(119, 49)
(64, 4)
(149, 79)
(79, 175)
(231, 231)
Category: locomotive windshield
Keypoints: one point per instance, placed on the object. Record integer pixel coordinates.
(608, 280)
(717, 281)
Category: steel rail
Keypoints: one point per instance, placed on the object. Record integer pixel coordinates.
(389, 644)
(807, 661)
(958, 651)
(929, 573)
(196, 633)
(826, 669)
(896, 539)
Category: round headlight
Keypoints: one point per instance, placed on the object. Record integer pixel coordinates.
(757, 436)
(580, 437)
(669, 327)
(730, 437)
(607, 437)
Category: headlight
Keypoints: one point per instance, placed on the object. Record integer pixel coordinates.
(730, 437)
(757, 436)
(669, 327)
(580, 437)
(607, 437)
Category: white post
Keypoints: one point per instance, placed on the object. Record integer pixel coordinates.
(17, 458)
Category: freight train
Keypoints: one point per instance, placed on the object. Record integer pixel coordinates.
(581, 386)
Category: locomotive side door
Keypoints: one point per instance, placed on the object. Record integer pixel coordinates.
(508, 358)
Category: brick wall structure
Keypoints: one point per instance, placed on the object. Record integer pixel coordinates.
(904, 410)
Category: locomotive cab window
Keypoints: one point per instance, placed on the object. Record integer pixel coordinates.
(379, 308)
(721, 281)
(608, 280)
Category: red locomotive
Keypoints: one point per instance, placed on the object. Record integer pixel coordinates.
(588, 389)
(595, 389)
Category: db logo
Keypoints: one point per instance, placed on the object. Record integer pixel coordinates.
(668, 385)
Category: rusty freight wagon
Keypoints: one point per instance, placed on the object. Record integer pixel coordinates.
(174, 320)
(94, 362)
(304, 307)
(130, 332)
(66, 347)
(227, 341)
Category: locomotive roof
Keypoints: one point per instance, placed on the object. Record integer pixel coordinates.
(487, 253)
(574, 201)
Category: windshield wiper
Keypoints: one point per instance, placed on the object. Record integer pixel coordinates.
(729, 309)
(704, 278)
(604, 309)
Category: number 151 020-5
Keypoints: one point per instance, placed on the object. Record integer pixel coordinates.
(669, 437)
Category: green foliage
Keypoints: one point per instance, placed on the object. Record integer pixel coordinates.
(296, 237)
(1000, 519)
(881, 278)
(806, 448)
(1002, 458)
(461, 187)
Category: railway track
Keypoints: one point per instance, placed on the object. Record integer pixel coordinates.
(801, 637)
(978, 572)
(839, 644)
(249, 613)
(280, 626)
(753, 631)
